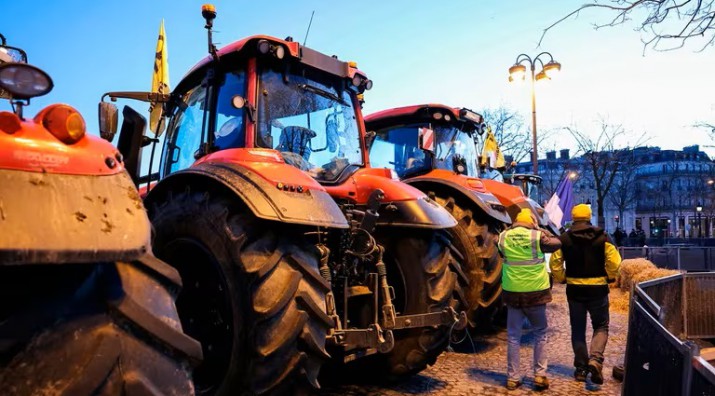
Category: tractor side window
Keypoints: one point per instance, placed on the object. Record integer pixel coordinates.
(230, 132)
(398, 149)
(184, 136)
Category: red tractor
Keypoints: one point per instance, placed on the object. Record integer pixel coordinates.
(86, 309)
(434, 148)
(293, 251)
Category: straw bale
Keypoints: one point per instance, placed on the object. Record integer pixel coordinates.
(634, 271)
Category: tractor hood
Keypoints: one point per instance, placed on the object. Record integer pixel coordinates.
(402, 205)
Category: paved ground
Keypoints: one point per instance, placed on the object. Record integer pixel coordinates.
(481, 369)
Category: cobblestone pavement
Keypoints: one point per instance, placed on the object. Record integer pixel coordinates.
(481, 369)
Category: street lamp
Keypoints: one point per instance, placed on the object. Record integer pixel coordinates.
(699, 209)
(668, 234)
(616, 218)
(518, 73)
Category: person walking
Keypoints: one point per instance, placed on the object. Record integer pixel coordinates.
(591, 262)
(526, 291)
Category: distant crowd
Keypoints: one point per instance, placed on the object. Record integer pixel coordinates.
(634, 238)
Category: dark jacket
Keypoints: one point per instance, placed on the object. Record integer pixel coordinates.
(591, 261)
(549, 243)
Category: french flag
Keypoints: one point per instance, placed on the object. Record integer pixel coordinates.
(560, 205)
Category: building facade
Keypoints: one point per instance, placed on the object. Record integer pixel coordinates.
(665, 193)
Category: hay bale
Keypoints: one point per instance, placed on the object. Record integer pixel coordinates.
(634, 271)
(631, 268)
(639, 270)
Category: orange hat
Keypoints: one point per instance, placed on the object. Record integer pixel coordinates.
(525, 216)
(581, 212)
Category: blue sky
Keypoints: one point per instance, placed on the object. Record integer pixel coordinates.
(454, 52)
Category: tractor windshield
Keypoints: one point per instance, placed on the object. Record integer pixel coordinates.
(455, 150)
(310, 121)
(416, 148)
(399, 149)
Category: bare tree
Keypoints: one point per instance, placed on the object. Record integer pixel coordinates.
(710, 127)
(602, 160)
(667, 24)
(513, 137)
(623, 194)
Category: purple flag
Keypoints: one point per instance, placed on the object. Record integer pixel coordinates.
(560, 205)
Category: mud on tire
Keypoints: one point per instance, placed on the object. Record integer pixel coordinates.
(477, 263)
(253, 295)
(93, 329)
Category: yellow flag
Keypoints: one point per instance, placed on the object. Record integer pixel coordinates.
(159, 82)
(492, 156)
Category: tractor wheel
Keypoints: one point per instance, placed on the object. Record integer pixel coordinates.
(252, 295)
(477, 263)
(93, 329)
(418, 269)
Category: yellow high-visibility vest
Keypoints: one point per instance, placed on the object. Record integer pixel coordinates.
(524, 268)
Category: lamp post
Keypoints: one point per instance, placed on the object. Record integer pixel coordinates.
(668, 228)
(699, 209)
(518, 72)
(617, 219)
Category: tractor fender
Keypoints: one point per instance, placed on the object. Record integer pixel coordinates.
(267, 200)
(486, 201)
(421, 212)
(52, 218)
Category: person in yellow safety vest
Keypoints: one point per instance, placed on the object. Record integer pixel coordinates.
(526, 291)
(592, 261)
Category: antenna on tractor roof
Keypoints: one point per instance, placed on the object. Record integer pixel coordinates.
(308, 31)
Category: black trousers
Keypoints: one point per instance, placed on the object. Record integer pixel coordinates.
(597, 308)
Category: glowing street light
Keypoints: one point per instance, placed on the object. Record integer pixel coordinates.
(518, 73)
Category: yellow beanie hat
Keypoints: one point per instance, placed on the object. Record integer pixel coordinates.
(524, 216)
(581, 212)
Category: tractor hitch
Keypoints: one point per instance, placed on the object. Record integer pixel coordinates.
(447, 317)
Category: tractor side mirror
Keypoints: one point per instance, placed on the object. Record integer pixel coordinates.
(108, 119)
(12, 54)
(131, 139)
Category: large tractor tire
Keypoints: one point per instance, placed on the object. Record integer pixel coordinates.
(417, 264)
(477, 263)
(93, 329)
(252, 295)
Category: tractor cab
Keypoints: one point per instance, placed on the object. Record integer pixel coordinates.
(270, 98)
(428, 144)
(266, 93)
(529, 184)
(420, 139)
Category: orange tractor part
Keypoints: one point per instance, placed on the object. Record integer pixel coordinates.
(86, 308)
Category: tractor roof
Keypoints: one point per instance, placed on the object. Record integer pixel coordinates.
(431, 111)
(305, 55)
